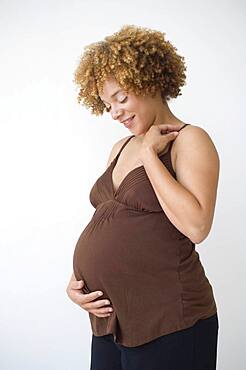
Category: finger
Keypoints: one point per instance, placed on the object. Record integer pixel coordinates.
(88, 297)
(100, 311)
(102, 315)
(169, 126)
(97, 304)
(105, 309)
(172, 135)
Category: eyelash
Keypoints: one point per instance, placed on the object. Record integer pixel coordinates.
(123, 101)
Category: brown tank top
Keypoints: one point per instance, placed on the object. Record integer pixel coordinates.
(148, 269)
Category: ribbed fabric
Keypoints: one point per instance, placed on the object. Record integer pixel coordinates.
(144, 265)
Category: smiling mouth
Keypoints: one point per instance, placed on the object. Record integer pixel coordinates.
(128, 121)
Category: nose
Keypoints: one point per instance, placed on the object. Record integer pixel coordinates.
(115, 115)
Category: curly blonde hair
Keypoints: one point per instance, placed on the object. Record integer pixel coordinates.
(141, 61)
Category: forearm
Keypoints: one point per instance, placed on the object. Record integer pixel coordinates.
(181, 207)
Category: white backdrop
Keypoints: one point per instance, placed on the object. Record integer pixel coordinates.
(52, 150)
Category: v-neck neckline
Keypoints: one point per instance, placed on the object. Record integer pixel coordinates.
(112, 165)
(131, 172)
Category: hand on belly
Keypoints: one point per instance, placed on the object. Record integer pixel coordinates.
(87, 301)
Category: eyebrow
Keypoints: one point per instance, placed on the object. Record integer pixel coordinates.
(116, 92)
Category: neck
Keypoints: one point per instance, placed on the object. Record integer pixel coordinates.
(163, 116)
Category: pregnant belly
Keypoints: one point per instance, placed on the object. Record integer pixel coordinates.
(127, 249)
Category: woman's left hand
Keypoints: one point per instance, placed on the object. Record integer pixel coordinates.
(157, 138)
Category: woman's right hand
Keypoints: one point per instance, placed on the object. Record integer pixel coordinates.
(86, 301)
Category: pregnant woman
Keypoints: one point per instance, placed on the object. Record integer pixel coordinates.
(154, 202)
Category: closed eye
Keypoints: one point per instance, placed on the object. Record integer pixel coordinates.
(122, 101)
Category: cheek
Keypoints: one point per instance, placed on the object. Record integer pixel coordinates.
(144, 114)
(138, 109)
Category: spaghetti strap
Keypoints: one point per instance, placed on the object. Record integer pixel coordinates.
(117, 156)
(124, 144)
(186, 124)
(171, 144)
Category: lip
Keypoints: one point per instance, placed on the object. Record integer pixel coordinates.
(127, 119)
(130, 123)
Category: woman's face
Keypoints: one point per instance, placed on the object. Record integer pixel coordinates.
(123, 105)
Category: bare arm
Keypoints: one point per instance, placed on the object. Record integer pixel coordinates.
(189, 201)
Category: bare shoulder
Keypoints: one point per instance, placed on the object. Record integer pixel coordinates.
(115, 149)
(194, 139)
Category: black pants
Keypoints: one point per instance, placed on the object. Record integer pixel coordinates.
(194, 348)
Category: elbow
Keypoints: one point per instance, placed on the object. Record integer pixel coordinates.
(198, 235)
(198, 239)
